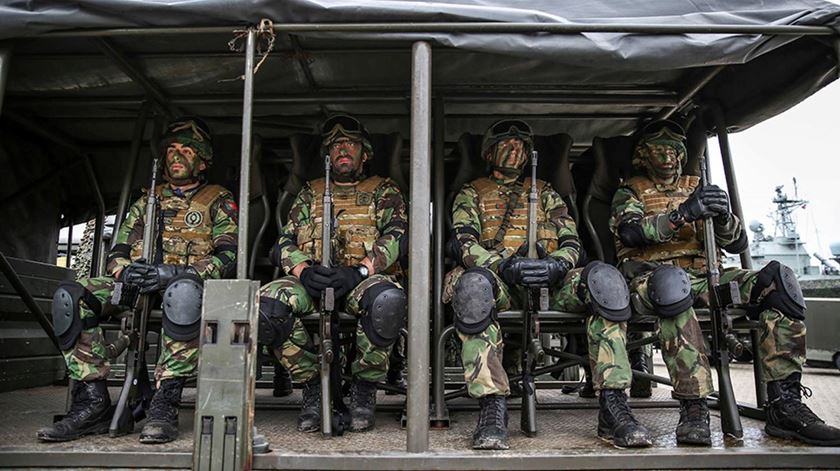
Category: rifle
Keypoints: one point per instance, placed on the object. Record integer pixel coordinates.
(720, 296)
(136, 391)
(532, 351)
(331, 396)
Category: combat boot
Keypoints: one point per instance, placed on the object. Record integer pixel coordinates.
(89, 413)
(788, 417)
(491, 431)
(309, 418)
(616, 422)
(693, 428)
(362, 405)
(639, 362)
(282, 381)
(162, 426)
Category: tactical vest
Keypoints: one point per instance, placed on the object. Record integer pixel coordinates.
(685, 248)
(354, 210)
(493, 200)
(187, 234)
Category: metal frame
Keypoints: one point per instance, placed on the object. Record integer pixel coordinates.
(418, 351)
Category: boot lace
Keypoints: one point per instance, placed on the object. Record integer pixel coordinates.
(617, 404)
(695, 411)
(362, 395)
(492, 412)
(791, 401)
(165, 402)
(311, 395)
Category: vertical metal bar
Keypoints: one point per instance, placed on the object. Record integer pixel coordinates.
(5, 56)
(728, 170)
(96, 254)
(836, 50)
(69, 246)
(245, 157)
(419, 244)
(439, 206)
(131, 171)
(758, 370)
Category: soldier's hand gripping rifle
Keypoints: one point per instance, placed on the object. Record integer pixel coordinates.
(535, 300)
(720, 296)
(136, 391)
(331, 397)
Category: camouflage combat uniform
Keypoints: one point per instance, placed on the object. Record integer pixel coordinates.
(370, 222)
(477, 214)
(199, 230)
(639, 199)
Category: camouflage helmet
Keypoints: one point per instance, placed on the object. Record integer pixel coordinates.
(507, 128)
(663, 132)
(344, 125)
(190, 131)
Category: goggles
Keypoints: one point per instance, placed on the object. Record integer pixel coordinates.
(509, 127)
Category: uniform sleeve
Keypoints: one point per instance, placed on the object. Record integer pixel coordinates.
(730, 232)
(627, 208)
(392, 223)
(467, 225)
(286, 251)
(568, 243)
(129, 232)
(221, 262)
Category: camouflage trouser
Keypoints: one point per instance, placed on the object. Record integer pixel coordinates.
(298, 353)
(88, 361)
(782, 347)
(481, 354)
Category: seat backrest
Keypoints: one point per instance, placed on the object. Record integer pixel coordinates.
(613, 157)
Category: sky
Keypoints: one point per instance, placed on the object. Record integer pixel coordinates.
(803, 142)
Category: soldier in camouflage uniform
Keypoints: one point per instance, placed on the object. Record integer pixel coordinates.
(490, 219)
(657, 220)
(196, 240)
(370, 224)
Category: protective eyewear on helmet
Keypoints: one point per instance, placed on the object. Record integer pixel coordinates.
(348, 123)
(510, 127)
(663, 127)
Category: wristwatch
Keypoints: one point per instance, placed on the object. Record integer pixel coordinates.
(676, 219)
(363, 270)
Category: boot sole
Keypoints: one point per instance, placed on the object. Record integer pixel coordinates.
(97, 429)
(782, 433)
(623, 443)
(155, 441)
(491, 445)
(697, 442)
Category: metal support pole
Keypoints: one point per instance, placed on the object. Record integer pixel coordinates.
(439, 417)
(152, 89)
(99, 230)
(731, 182)
(131, 171)
(69, 245)
(836, 50)
(245, 157)
(419, 242)
(5, 56)
(690, 92)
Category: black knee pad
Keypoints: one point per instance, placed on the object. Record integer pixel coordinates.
(474, 301)
(609, 295)
(276, 322)
(385, 308)
(182, 307)
(776, 287)
(669, 289)
(67, 321)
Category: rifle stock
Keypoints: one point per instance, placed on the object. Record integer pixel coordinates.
(730, 419)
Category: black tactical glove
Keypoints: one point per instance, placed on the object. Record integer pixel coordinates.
(315, 279)
(150, 278)
(693, 208)
(345, 279)
(715, 199)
